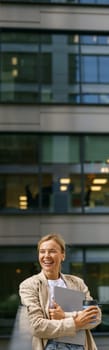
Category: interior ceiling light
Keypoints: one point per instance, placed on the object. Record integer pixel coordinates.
(99, 181)
(14, 73)
(14, 61)
(104, 170)
(95, 188)
(94, 39)
(23, 207)
(65, 181)
(63, 188)
(23, 198)
(76, 38)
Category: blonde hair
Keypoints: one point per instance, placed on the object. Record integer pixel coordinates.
(56, 237)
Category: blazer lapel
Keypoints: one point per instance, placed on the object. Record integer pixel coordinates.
(44, 293)
(70, 283)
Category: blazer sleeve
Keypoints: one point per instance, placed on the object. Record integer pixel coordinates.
(41, 326)
(80, 285)
(85, 290)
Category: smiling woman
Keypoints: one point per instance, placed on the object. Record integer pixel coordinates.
(48, 321)
(51, 254)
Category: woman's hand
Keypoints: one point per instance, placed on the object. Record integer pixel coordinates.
(56, 313)
(86, 317)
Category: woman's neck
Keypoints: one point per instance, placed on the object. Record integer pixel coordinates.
(51, 276)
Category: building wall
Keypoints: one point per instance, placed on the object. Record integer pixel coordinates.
(54, 17)
(54, 118)
(77, 229)
(27, 229)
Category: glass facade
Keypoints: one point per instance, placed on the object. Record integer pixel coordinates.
(18, 263)
(61, 2)
(54, 173)
(92, 264)
(43, 173)
(54, 67)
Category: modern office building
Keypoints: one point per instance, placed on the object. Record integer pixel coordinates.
(54, 143)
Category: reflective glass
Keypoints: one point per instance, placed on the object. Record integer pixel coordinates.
(89, 39)
(62, 154)
(89, 69)
(97, 278)
(74, 74)
(24, 67)
(17, 263)
(71, 2)
(104, 72)
(18, 192)
(92, 264)
(96, 2)
(30, 182)
(73, 98)
(90, 98)
(75, 191)
(46, 173)
(47, 193)
(76, 261)
(104, 40)
(66, 197)
(48, 68)
(104, 98)
(96, 170)
(16, 149)
(60, 149)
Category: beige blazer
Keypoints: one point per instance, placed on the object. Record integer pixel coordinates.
(34, 295)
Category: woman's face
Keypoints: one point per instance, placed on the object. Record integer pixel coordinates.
(50, 257)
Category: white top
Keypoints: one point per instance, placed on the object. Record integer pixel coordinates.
(60, 283)
(51, 284)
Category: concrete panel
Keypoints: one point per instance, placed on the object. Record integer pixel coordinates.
(16, 230)
(78, 230)
(27, 230)
(54, 17)
(17, 16)
(75, 119)
(75, 18)
(54, 118)
(19, 118)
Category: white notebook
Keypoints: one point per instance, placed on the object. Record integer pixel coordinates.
(70, 300)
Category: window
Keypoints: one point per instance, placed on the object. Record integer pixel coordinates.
(92, 264)
(71, 2)
(61, 154)
(73, 69)
(17, 263)
(54, 173)
(96, 172)
(60, 149)
(89, 69)
(53, 68)
(19, 149)
(26, 65)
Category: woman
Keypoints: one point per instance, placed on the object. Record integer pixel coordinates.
(48, 321)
